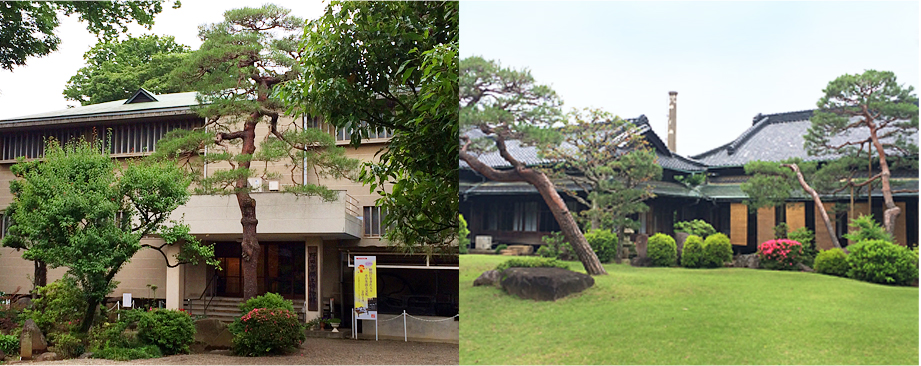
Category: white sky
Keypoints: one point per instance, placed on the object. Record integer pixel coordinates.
(38, 86)
(728, 61)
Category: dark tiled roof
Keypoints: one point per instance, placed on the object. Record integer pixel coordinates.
(772, 137)
(500, 188)
(528, 155)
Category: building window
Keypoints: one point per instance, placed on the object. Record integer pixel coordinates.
(374, 218)
(133, 138)
(4, 224)
(377, 133)
(313, 122)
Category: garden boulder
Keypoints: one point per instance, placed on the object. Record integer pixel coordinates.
(747, 261)
(212, 334)
(36, 338)
(641, 244)
(544, 284)
(21, 304)
(488, 278)
(48, 356)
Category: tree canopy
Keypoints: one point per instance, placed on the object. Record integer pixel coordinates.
(503, 104)
(607, 157)
(78, 208)
(116, 69)
(868, 110)
(27, 27)
(234, 71)
(391, 66)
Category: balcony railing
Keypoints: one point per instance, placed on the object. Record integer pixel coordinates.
(351, 205)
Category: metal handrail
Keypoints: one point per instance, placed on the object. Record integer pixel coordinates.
(351, 205)
(204, 309)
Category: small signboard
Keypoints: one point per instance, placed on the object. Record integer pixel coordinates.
(366, 287)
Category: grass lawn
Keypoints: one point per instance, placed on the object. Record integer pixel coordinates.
(690, 316)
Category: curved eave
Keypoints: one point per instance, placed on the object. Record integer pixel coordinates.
(97, 117)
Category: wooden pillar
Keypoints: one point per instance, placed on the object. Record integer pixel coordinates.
(738, 224)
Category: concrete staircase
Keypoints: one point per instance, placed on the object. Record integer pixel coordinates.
(227, 309)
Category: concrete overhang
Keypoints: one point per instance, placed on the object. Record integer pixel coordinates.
(282, 216)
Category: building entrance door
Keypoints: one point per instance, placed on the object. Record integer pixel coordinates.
(281, 269)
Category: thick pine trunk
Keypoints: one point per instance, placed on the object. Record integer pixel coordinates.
(892, 211)
(818, 202)
(250, 244)
(556, 204)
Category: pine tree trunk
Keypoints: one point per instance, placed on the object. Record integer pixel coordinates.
(250, 245)
(892, 211)
(556, 204)
(818, 202)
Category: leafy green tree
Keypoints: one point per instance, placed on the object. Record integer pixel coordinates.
(607, 157)
(234, 71)
(462, 232)
(505, 104)
(872, 110)
(79, 209)
(116, 69)
(392, 66)
(27, 27)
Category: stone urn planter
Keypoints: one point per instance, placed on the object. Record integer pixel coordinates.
(335, 324)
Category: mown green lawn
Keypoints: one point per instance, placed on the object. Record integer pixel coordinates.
(685, 316)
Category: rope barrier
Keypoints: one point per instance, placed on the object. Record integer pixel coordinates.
(434, 320)
(398, 316)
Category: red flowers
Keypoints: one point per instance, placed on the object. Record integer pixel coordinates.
(781, 254)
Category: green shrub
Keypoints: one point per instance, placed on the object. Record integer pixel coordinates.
(268, 301)
(880, 261)
(807, 238)
(126, 354)
(604, 243)
(463, 232)
(67, 345)
(171, 330)
(112, 335)
(501, 247)
(717, 250)
(832, 262)
(266, 331)
(555, 246)
(9, 344)
(530, 263)
(693, 254)
(695, 227)
(59, 306)
(661, 250)
(865, 228)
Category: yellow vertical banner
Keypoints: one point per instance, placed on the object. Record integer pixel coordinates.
(366, 287)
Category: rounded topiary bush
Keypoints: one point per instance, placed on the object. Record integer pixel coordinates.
(269, 301)
(266, 331)
(661, 250)
(780, 254)
(832, 262)
(880, 261)
(170, 330)
(717, 250)
(604, 243)
(693, 254)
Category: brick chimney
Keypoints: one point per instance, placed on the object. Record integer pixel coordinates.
(672, 120)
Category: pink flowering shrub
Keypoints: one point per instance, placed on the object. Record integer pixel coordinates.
(264, 331)
(781, 254)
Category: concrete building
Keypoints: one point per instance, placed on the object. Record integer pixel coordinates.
(307, 244)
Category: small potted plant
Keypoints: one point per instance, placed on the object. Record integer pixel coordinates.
(334, 322)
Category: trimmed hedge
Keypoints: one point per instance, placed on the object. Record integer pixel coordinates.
(693, 254)
(268, 301)
(832, 262)
(264, 331)
(604, 243)
(880, 261)
(531, 262)
(662, 250)
(170, 330)
(717, 250)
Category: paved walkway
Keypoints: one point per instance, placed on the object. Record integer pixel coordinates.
(314, 351)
